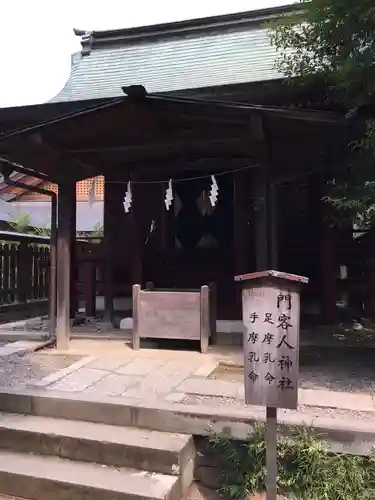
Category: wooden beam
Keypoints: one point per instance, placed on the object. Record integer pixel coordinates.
(170, 144)
(39, 142)
(223, 109)
(64, 245)
(162, 167)
(25, 157)
(32, 152)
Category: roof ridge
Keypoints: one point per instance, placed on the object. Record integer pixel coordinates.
(92, 39)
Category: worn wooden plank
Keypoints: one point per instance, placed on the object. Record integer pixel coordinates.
(136, 332)
(169, 315)
(204, 318)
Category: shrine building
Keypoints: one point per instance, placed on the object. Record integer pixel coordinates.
(221, 162)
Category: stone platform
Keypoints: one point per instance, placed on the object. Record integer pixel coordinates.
(178, 381)
(109, 422)
(183, 383)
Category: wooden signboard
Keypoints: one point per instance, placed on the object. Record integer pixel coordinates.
(271, 310)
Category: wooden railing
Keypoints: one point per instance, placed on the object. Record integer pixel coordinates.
(24, 267)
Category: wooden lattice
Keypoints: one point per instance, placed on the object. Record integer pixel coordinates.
(83, 188)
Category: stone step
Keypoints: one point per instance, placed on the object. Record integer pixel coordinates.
(154, 451)
(40, 477)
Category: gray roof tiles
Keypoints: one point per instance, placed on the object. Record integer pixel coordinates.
(174, 59)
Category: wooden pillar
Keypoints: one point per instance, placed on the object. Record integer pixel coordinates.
(328, 272)
(65, 210)
(265, 231)
(110, 212)
(240, 226)
(89, 279)
(240, 233)
(165, 226)
(328, 262)
(265, 221)
(73, 263)
(136, 234)
(260, 220)
(273, 227)
(324, 235)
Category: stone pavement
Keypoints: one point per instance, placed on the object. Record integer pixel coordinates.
(111, 368)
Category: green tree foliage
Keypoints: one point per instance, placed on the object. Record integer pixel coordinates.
(332, 42)
(20, 222)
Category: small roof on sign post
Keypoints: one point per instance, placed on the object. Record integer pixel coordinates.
(261, 275)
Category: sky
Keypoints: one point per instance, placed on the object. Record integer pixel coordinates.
(37, 40)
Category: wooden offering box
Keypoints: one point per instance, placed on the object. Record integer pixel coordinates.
(173, 314)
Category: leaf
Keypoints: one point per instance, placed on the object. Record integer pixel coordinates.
(331, 45)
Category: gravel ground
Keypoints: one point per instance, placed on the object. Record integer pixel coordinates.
(311, 411)
(338, 369)
(345, 369)
(19, 371)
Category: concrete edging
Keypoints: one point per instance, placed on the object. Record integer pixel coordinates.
(22, 347)
(341, 435)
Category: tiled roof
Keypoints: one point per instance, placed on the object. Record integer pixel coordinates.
(209, 52)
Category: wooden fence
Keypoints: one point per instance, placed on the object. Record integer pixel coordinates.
(24, 268)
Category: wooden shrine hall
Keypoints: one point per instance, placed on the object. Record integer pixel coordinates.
(267, 147)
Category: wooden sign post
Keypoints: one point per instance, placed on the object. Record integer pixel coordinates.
(271, 312)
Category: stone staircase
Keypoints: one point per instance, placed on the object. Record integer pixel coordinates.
(44, 458)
